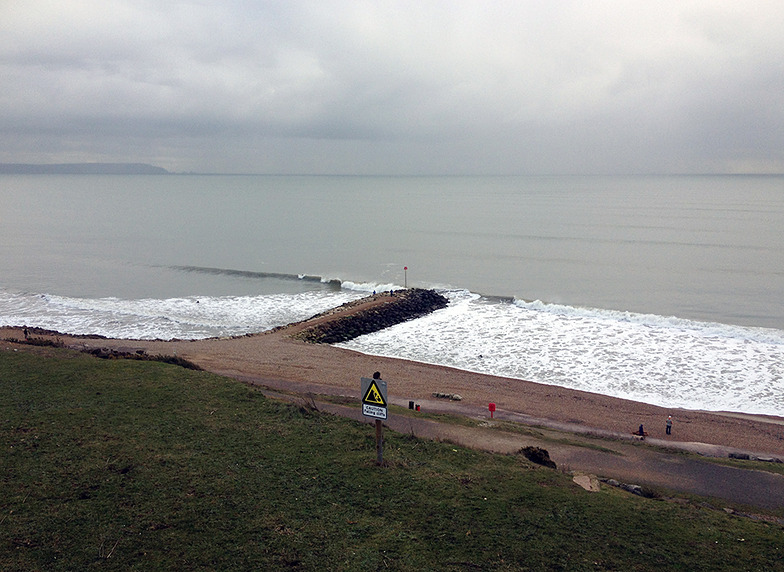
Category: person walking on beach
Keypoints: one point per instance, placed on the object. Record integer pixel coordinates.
(669, 425)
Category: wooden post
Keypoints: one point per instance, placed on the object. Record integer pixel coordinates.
(374, 404)
(379, 443)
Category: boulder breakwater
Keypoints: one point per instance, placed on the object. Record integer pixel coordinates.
(404, 305)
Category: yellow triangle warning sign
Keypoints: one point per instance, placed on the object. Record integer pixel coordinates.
(373, 396)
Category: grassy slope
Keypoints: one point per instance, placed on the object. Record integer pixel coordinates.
(142, 466)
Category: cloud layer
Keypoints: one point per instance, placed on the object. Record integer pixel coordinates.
(395, 87)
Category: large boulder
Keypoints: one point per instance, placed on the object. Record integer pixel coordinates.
(538, 455)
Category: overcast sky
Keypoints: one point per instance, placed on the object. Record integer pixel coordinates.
(405, 87)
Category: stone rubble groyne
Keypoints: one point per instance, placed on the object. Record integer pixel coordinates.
(403, 306)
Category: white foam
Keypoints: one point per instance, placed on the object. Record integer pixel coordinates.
(700, 328)
(184, 318)
(369, 287)
(663, 361)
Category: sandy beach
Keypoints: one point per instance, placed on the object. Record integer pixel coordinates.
(274, 359)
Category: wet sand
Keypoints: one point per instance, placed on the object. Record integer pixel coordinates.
(275, 360)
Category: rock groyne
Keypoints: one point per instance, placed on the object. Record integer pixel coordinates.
(405, 305)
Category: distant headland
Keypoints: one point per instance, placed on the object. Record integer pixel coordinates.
(81, 169)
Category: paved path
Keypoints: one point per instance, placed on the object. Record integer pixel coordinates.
(578, 449)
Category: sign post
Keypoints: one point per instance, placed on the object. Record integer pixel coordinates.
(379, 443)
(374, 405)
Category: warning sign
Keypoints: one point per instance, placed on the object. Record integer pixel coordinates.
(374, 398)
(373, 395)
(374, 411)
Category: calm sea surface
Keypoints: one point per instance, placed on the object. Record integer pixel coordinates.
(660, 289)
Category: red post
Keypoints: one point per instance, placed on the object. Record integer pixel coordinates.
(491, 407)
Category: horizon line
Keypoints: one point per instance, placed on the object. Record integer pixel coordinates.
(4, 169)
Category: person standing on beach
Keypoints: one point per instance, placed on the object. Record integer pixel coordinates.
(669, 425)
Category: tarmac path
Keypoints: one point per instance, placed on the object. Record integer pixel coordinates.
(578, 449)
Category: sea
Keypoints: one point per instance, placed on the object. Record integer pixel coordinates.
(663, 289)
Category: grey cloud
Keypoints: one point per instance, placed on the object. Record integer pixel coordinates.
(395, 86)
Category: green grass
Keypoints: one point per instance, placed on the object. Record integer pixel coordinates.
(128, 465)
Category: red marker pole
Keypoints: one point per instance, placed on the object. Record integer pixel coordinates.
(405, 276)
(491, 407)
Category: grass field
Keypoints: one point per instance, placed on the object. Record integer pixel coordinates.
(125, 465)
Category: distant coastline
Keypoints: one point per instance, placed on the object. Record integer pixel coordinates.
(81, 169)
